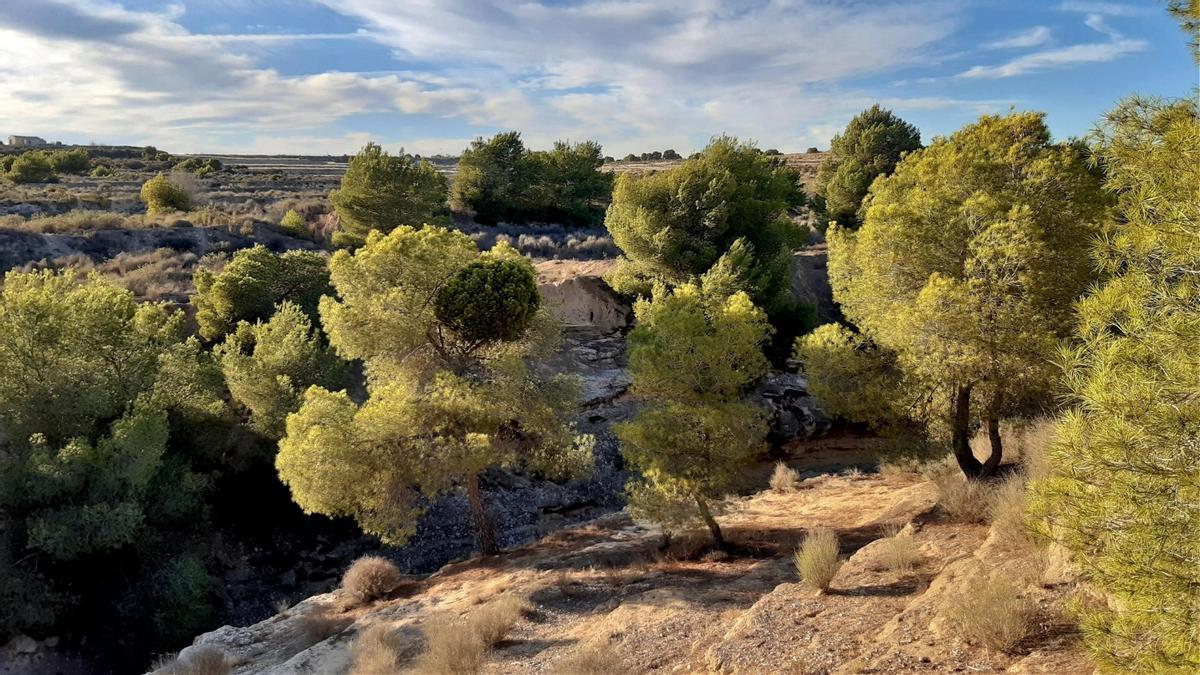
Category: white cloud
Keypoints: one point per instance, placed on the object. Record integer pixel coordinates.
(1033, 37)
(1109, 8)
(1050, 59)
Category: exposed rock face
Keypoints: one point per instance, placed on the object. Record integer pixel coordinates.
(794, 414)
(576, 293)
(810, 281)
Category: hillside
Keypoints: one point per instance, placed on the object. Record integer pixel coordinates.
(610, 597)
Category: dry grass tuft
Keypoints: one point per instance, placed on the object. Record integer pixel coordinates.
(963, 500)
(449, 650)
(317, 626)
(377, 650)
(1007, 505)
(370, 578)
(900, 553)
(996, 616)
(199, 660)
(817, 558)
(492, 622)
(784, 478)
(593, 659)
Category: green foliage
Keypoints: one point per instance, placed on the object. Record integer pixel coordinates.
(381, 191)
(1123, 493)
(101, 171)
(268, 366)
(853, 378)
(724, 213)
(1187, 12)
(693, 355)
(499, 179)
(176, 602)
(442, 406)
(76, 160)
(199, 165)
(31, 167)
(162, 194)
(492, 299)
(967, 266)
(253, 283)
(872, 144)
(293, 224)
(90, 492)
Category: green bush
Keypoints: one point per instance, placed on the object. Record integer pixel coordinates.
(31, 167)
(381, 192)
(101, 171)
(253, 283)
(489, 300)
(871, 145)
(77, 160)
(293, 224)
(161, 194)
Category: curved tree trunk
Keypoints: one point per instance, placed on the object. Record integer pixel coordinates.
(484, 533)
(718, 538)
(961, 434)
(993, 460)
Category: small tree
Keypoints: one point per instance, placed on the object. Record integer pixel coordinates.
(1123, 493)
(268, 366)
(31, 167)
(77, 160)
(162, 194)
(382, 191)
(293, 223)
(965, 271)
(253, 283)
(871, 145)
(444, 332)
(693, 355)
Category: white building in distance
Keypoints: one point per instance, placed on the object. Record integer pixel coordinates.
(26, 141)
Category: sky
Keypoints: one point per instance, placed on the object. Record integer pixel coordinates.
(326, 76)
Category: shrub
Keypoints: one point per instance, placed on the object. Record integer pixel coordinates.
(1007, 506)
(101, 171)
(900, 553)
(449, 650)
(320, 625)
(995, 616)
(371, 578)
(376, 650)
(293, 224)
(962, 500)
(31, 167)
(161, 194)
(490, 299)
(594, 659)
(817, 558)
(784, 478)
(198, 660)
(77, 160)
(493, 622)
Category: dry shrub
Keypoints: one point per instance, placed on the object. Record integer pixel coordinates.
(817, 558)
(450, 650)
(492, 622)
(996, 616)
(198, 660)
(370, 577)
(1007, 506)
(899, 552)
(901, 467)
(319, 625)
(784, 478)
(963, 500)
(594, 659)
(376, 650)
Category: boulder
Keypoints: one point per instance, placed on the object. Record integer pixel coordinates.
(794, 414)
(578, 296)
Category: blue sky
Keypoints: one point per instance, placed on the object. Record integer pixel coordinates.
(325, 76)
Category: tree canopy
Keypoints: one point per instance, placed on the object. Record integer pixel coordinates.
(252, 283)
(966, 269)
(871, 145)
(449, 393)
(1123, 493)
(381, 191)
(693, 354)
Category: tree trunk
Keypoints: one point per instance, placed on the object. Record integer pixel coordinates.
(961, 434)
(483, 527)
(718, 538)
(993, 460)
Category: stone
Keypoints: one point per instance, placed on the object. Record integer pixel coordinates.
(793, 413)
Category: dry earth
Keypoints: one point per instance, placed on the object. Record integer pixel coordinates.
(612, 587)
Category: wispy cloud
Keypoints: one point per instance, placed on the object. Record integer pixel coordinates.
(1108, 8)
(1033, 37)
(1063, 57)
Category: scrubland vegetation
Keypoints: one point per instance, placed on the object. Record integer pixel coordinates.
(1004, 296)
